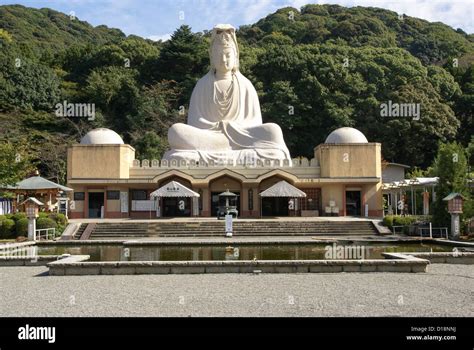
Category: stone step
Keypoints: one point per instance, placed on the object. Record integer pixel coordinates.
(216, 228)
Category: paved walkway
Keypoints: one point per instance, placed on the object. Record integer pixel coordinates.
(446, 290)
(189, 219)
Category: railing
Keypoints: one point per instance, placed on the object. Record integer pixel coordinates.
(38, 233)
(394, 228)
(430, 232)
(258, 163)
(420, 230)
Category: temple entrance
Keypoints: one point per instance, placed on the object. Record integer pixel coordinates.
(176, 207)
(275, 206)
(353, 204)
(220, 185)
(215, 202)
(96, 202)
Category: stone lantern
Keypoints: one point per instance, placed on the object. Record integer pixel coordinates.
(455, 202)
(32, 208)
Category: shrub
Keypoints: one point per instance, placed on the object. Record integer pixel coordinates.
(22, 227)
(42, 215)
(7, 228)
(388, 221)
(18, 216)
(60, 219)
(42, 223)
(403, 220)
(395, 220)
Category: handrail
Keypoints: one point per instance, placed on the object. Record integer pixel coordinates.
(38, 233)
(441, 229)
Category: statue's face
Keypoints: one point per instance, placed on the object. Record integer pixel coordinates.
(224, 59)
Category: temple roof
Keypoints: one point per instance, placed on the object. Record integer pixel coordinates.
(174, 189)
(283, 189)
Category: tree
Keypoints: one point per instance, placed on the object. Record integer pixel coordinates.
(184, 59)
(149, 145)
(15, 164)
(115, 92)
(450, 166)
(157, 109)
(25, 84)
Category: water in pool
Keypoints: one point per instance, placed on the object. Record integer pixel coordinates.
(237, 252)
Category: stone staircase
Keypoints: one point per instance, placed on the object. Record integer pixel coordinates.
(241, 228)
(80, 231)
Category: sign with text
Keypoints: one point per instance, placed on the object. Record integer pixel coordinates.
(228, 223)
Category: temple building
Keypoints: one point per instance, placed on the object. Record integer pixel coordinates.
(344, 178)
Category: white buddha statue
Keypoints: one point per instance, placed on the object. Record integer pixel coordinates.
(224, 119)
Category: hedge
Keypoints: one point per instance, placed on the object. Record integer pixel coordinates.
(42, 223)
(22, 227)
(17, 224)
(7, 228)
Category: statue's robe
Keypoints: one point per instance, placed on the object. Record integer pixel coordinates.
(226, 130)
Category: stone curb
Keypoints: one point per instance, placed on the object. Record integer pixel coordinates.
(77, 265)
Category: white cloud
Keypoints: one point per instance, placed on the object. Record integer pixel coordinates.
(162, 37)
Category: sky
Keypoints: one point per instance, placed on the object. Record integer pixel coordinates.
(158, 19)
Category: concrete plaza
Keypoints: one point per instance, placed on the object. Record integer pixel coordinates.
(445, 290)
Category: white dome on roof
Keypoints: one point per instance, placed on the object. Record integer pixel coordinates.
(102, 136)
(346, 135)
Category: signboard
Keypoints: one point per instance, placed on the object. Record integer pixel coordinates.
(143, 205)
(124, 202)
(228, 225)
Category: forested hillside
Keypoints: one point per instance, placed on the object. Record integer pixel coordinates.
(315, 69)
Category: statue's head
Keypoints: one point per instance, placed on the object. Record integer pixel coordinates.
(224, 51)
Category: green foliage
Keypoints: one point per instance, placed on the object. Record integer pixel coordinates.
(5, 36)
(7, 228)
(325, 95)
(388, 221)
(21, 227)
(42, 214)
(44, 31)
(450, 166)
(42, 223)
(149, 145)
(59, 218)
(359, 26)
(18, 216)
(26, 84)
(184, 59)
(14, 164)
(395, 220)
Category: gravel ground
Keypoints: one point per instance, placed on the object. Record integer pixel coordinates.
(446, 290)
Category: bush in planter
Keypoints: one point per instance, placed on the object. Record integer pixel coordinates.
(7, 228)
(22, 227)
